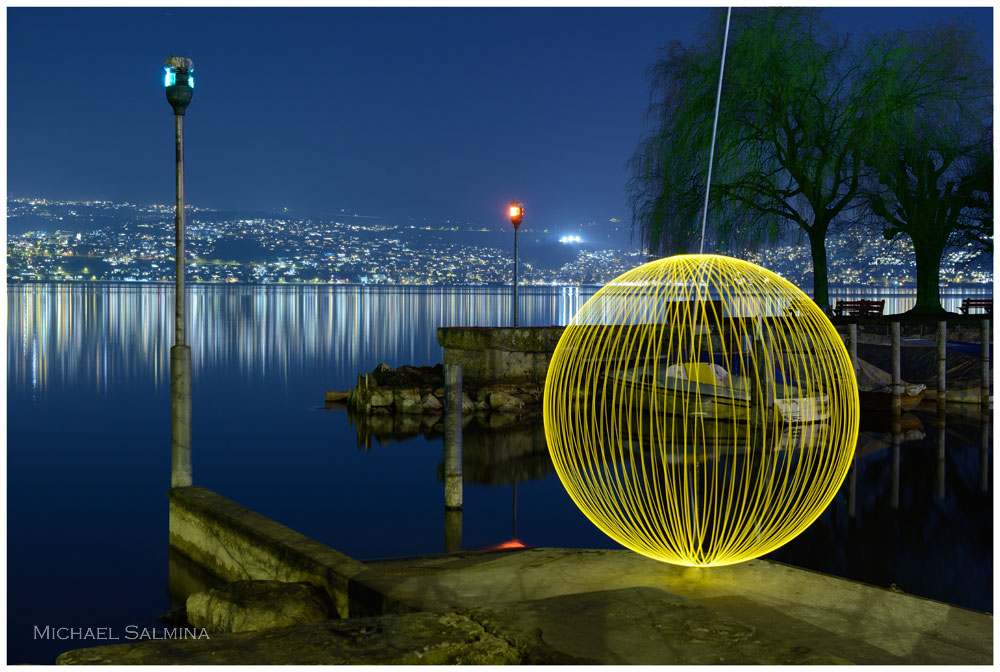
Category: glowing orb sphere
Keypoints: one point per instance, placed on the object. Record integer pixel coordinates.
(701, 410)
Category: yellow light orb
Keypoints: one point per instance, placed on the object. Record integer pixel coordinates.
(701, 410)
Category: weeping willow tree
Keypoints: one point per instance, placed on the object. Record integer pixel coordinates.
(798, 109)
(932, 180)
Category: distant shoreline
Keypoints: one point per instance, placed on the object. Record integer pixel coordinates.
(905, 290)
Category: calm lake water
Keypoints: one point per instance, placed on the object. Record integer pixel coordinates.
(88, 456)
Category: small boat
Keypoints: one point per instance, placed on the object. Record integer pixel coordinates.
(708, 390)
(875, 390)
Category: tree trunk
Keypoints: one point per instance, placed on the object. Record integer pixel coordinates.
(928, 278)
(817, 241)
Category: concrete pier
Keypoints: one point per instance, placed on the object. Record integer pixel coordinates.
(566, 606)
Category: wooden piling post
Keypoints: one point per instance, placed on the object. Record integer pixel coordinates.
(769, 378)
(453, 437)
(984, 391)
(942, 361)
(852, 489)
(897, 440)
(852, 346)
(897, 381)
(984, 451)
(941, 420)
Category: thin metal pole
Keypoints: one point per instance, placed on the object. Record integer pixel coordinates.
(179, 326)
(715, 126)
(180, 353)
(515, 276)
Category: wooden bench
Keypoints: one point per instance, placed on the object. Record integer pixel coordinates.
(969, 304)
(794, 308)
(860, 307)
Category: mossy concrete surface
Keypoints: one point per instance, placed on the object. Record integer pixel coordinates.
(243, 606)
(629, 626)
(800, 608)
(436, 639)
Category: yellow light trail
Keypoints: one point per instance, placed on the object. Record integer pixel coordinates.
(701, 410)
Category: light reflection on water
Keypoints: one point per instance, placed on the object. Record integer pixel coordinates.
(116, 333)
(102, 333)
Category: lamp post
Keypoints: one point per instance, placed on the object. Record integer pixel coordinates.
(179, 83)
(516, 216)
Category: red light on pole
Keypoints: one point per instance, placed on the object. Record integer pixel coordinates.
(516, 212)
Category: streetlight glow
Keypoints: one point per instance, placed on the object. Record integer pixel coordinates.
(178, 80)
(516, 213)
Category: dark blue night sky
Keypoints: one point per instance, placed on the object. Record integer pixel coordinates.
(422, 112)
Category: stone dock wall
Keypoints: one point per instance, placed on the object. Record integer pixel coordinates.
(517, 356)
(235, 543)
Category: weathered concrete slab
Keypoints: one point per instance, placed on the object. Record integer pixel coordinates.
(857, 622)
(408, 639)
(629, 626)
(637, 626)
(242, 606)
